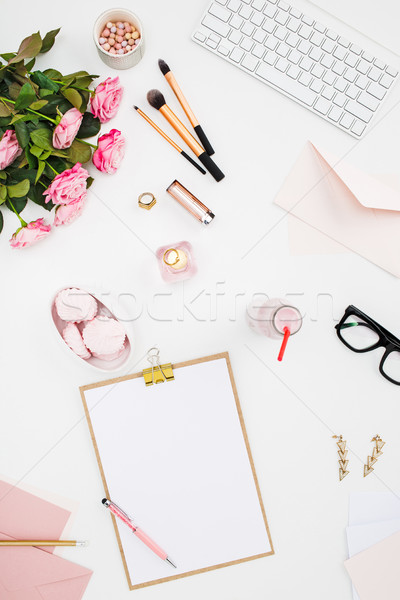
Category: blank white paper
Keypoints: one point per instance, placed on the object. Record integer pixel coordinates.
(175, 460)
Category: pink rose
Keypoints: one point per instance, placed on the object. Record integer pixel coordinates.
(110, 151)
(9, 149)
(30, 234)
(66, 213)
(65, 132)
(105, 103)
(67, 187)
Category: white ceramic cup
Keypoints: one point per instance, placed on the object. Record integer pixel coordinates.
(119, 61)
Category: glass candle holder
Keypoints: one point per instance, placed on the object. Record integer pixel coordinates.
(176, 262)
(272, 317)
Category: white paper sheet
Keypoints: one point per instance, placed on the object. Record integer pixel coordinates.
(175, 459)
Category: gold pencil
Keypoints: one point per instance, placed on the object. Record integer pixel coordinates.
(42, 543)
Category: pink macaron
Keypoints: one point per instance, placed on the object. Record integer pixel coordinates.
(72, 337)
(104, 337)
(75, 305)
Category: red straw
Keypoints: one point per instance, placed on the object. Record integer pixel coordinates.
(286, 336)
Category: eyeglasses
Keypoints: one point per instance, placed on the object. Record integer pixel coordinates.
(360, 333)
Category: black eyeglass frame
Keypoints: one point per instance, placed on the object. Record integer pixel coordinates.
(386, 339)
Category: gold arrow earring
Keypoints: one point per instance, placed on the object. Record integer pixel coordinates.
(376, 452)
(342, 452)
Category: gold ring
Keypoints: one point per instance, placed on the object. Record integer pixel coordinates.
(176, 258)
(150, 203)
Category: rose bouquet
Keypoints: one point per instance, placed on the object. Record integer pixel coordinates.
(45, 118)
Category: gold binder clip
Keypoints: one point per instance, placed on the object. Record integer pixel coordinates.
(157, 373)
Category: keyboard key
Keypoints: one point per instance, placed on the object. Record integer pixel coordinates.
(294, 57)
(343, 42)
(376, 90)
(317, 71)
(293, 72)
(339, 53)
(305, 79)
(361, 82)
(235, 36)
(283, 50)
(368, 57)
(391, 71)
(359, 111)
(270, 10)
(319, 27)
(295, 12)
(257, 19)
(358, 127)
(322, 105)
(269, 25)
(369, 101)
(306, 63)
(218, 11)
(378, 63)
(316, 86)
(249, 62)
(224, 51)
(270, 58)
(283, 5)
(236, 22)
(258, 4)
(213, 44)
(216, 25)
(339, 100)
(280, 33)
(271, 43)
(234, 5)
(245, 11)
(352, 92)
(340, 84)
(237, 55)
(316, 38)
(281, 17)
(335, 113)
(199, 36)
(328, 46)
(351, 59)
(259, 36)
(258, 51)
(316, 54)
(293, 24)
(356, 49)
(248, 29)
(346, 121)
(374, 74)
(246, 44)
(287, 85)
(386, 80)
(282, 65)
(305, 32)
(215, 38)
(350, 75)
(327, 61)
(223, 2)
(338, 68)
(292, 40)
(328, 92)
(332, 35)
(307, 20)
(329, 78)
(304, 47)
(363, 66)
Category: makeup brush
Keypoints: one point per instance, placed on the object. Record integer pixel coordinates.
(164, 135)
(157, 100)
(169, 76)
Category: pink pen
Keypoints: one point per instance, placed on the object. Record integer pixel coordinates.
(118, 512)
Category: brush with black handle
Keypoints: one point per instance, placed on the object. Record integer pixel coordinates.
(157, 100)
(169, 76)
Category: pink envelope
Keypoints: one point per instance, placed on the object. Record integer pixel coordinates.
(28, 573)
(350, 207)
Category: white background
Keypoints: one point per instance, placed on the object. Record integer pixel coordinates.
(290, 409)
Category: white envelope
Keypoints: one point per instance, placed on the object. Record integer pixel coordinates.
(347, 205)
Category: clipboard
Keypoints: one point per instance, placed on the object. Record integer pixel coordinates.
(176, 457)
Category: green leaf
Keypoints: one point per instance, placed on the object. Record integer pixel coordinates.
(22, 133)
(1, 222)
(48, 40)
(25, 97)
(36, 195)
(45, 155)
(43, 93)
(14, 89)
(4, 121)
(31, 160)
(20, 68)
(90, 126)
(8, 55)
(38, 104)
(89, 182)
(41, 166)
(29, 65)
(19, 189)
(36, 151)
(18, 203)
(4, 110)
(17, 175)
(42, 138)
(3, 193)
(29, 48)
(73, 96)
(79, 152)
(53, 74)
(44, 82)
(3, 175)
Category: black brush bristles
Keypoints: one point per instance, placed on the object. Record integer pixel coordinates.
(164, 68)
(155, 99)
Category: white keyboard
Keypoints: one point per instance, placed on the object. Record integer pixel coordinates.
(299, 57)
